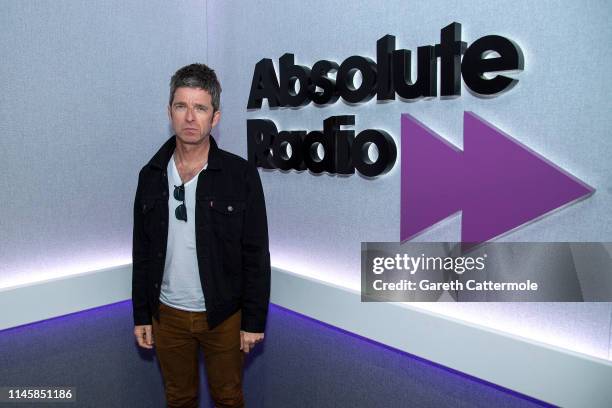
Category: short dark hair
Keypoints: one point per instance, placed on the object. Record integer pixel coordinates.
(197, 76)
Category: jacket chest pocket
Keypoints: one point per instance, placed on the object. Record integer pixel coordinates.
(151, 216)
(227, 217)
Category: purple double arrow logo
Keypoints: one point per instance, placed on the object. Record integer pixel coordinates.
(495, 182)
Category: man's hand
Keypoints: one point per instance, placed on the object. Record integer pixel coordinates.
(248, 340)
(144, 336)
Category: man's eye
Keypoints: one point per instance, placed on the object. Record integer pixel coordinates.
(179, 107)
(201, 108)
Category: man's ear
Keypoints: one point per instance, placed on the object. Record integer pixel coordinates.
(216, 118)
(170, 113)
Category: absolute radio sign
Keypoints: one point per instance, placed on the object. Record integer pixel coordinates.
(388, 76)
(438, 179)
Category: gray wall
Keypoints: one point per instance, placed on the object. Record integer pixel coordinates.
(560, 108)
(82, 108)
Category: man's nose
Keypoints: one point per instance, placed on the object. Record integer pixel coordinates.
(190, 115)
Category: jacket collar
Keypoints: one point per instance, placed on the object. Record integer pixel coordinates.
(162, 157)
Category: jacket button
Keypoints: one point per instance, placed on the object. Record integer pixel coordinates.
(159, 254)
(163, 223)
(230, 208)
(156, 286)
(165, 194)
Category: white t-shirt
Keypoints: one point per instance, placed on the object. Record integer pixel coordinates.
(181, 287)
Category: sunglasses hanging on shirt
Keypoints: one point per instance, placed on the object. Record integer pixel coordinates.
(181, 211)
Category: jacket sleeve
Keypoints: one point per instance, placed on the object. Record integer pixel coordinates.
(255, 257)
(140, 262)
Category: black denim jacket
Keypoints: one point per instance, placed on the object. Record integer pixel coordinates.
(231, 238)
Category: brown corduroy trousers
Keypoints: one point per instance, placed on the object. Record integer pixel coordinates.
(178, 335)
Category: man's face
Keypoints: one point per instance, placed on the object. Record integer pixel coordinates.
(192, 115)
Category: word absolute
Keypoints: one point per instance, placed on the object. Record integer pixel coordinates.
(391, 73)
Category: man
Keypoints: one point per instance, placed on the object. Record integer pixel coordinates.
(201, 266)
